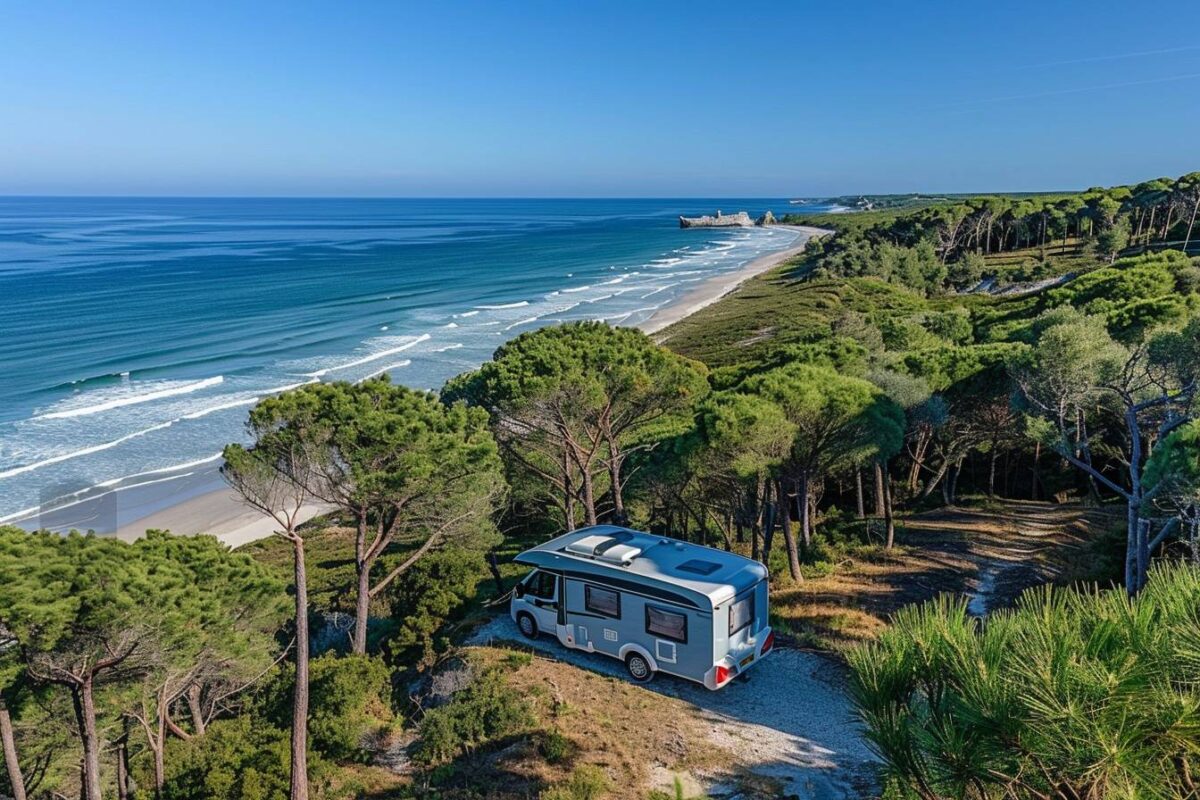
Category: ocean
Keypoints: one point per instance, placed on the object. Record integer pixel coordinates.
(137, 332)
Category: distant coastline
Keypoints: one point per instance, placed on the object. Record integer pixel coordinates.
(191, 499)
(718, 286)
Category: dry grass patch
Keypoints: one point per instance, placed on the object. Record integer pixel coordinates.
(632, 734)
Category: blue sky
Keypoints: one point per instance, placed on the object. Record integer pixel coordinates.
(569, 98)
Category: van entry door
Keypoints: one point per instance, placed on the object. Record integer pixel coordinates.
(541, 597)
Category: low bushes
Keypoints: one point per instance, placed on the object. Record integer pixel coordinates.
(1075, 693)
(485, 711)
(239, 757)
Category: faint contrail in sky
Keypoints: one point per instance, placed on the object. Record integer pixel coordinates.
(1112, 57)
(1077, 90)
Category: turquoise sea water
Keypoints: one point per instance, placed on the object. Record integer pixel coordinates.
(136, 333)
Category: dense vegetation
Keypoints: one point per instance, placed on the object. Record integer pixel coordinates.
(882, 373)
(1072, 694)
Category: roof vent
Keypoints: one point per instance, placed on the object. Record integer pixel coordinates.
(699, 567)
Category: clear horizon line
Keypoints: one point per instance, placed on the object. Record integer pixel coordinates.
(956, 193)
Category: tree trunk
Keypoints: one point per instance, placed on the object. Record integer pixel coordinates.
(802, 497)
(1196, 207)
(878, 490)
(568, 493)
(789, 537)
(159, 768)
(494, 567)
(922, 447)
(195, 709)
(618, 495)
(889, 519)
(11, 765)
(362, 608)
(769, 515)
(122, 767)
(992, 472)
(299, 785)
(589, 497)
(85, 717)
(858, 494)
(1131, 526)
(760, 508)
(1033, 480)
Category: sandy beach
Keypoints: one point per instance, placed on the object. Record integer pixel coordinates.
(198, 507)
(219, 513)
(713, 289)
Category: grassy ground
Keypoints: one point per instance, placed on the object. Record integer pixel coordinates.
(780, 308)
(990, 552)
(784, 307)
(639, 739)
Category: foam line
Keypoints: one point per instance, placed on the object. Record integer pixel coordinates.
(522, 322)
(504, 305)
(87, 451)
(376, 356)
(108, 405)
(397, 365)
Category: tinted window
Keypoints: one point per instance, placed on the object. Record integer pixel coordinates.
(602, 601)
(741, 614)
(666, 624)
(542, 585)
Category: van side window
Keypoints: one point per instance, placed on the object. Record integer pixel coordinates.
(605, 602)
(741, 614)
(666, 624)
(542, 585)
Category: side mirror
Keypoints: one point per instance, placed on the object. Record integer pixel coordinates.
(519, 590)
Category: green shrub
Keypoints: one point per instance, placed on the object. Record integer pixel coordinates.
(1089, 689)
(555, 747)
(432, 593)
(348, 700)
(587, 782)
(240, 757)
(487, 710)
(954, 325)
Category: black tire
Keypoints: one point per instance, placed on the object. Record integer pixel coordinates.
(528, 625)
(639, 668)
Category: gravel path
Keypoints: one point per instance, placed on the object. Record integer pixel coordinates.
(790, 721)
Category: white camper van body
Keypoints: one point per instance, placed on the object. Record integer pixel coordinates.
(658, 604)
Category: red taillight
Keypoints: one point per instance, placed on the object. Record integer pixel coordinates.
(769, 643)
(722, 674)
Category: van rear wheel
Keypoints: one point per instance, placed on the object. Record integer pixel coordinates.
(639, 668)
(527, 625)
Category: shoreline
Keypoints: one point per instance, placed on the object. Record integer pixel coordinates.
(716, 287)
(211, 508)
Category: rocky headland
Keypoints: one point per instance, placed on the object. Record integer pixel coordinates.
(739, 220)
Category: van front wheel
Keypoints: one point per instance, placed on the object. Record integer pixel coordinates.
(639, 668)
(527, 625)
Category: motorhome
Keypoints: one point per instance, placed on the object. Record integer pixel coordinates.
(657, 604)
